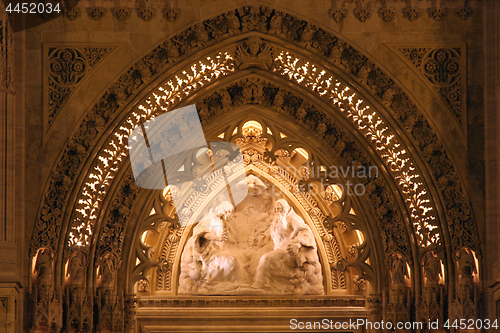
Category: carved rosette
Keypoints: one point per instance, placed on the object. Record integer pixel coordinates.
(443, 68)
(67, 66)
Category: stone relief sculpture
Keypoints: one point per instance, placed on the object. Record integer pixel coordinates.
(432, 268)
(293, 266)
(76, 265)
(399, 271)
(44, 268)
(466, 265)
(252, 248)
(107, 270)
(205, 260)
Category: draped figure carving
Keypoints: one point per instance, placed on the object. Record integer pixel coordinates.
(249, 249)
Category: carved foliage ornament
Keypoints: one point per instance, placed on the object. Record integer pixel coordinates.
(67, 67)
(72, 14)
(404, 111)
(338, 15)
(343, 147)
(362, 14)
(388, 14)
(437, 13)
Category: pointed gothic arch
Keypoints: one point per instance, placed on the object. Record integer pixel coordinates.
(317, 72)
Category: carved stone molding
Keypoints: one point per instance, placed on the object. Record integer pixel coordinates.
(444, 69)
(225, 302)
(387, 14)
(66, 68)
(9, 303)
(118, 213)
(337, 13)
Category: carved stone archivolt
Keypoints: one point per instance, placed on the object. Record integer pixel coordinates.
(67, 66)
(397, 101)
(444, 68)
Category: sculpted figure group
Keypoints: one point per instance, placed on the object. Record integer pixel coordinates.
(260, 247)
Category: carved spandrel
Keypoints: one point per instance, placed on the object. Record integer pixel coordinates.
(67, 66)
(443, 68)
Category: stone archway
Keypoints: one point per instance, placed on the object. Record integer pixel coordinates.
(394, 118)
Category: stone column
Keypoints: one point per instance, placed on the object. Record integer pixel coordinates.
(11, 177)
